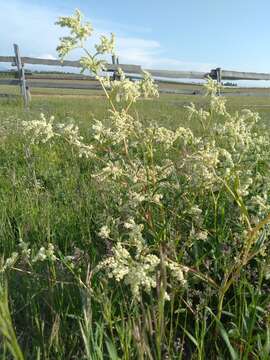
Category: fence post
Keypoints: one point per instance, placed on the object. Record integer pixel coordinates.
(117, 73)
(24, 91)
(219, 77)
(114, 62)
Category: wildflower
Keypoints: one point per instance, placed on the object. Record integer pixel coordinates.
(39, 130)
(111, 170)
(161, 135)
(78, 33)
(202, 235)
(124, 89)
(94, 65)
(45, 254)
(138, 274)
(25, 251)
(157, 198)
(135, 198)
(67, 43)
(201, 114)
(195, 210)
(74, 23)
(71, 134)
(212, 87)
(218, 104)
(104, 232)
(135, 235)
(147, 86)
(101, 133)
(10, 262)
(41, 255)
(177, 271)
(50, 252)
(106, 45)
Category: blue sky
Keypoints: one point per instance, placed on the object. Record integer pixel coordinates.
(172, 34)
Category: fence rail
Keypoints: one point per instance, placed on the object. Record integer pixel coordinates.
(54, 85)
(25, 80)
(69, 63)
(137, 69)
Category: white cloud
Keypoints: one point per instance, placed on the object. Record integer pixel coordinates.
(47, 56)
(32, 27)
(123, 28)
(149, 54)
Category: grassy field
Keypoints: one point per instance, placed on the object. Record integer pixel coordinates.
(55, 79)
(168, 109)
(60, 307)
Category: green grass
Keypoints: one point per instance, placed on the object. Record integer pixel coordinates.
(47, 196)
(93, 102)
(85, 105)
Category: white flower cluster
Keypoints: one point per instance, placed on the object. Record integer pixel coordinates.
(124, 89)
(107, 45)
(148, 88)
(24, 249)
(39, 130)
(111, 171)
(9, 262)
(104, 232)
(135, 235)
(177, 271)
(139, 272)
(26, 254)
(78, 31)
(167, 137)
(101, 133)
(136, 198)
(93, 64)
(129, 91)
(45, 254)
(123, 126)
(212, 87)
(201, 114)
(71, 134)
(200, 166)
(218, 105)
(132, 263)
(44, 130)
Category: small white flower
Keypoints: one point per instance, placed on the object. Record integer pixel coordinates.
(41, 255)
(25, 248)
(10, 261)
(202, 235)
(104, 232)
(157, 198)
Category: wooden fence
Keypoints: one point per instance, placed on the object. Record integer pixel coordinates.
(134, 71)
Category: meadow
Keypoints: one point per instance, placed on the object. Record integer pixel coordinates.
(134, 226)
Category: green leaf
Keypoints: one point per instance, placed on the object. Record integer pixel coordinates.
(225, 336)
(112, 351)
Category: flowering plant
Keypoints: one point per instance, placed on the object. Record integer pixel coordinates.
(140, 182)
(173, 219)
